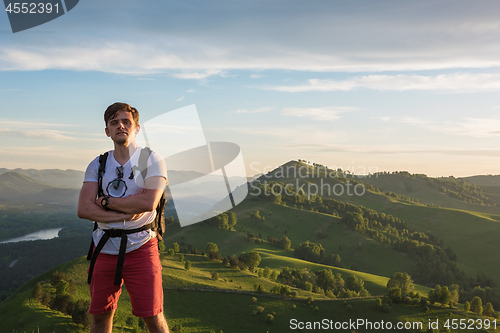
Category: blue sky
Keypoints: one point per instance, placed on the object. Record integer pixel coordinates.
(379, 85)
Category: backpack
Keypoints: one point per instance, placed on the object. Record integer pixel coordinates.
(158, 225)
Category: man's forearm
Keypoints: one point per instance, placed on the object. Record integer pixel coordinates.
(133, 204)
(95, 213)
(139, 203)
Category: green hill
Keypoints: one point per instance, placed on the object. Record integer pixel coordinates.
(299, 226)
(194, 302)
(481, 180)
(13, 184)
(197, 303)
(472, 231)
(393, 208)
(425, 191)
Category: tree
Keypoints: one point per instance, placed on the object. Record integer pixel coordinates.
(476, 305)
(284, 290)
(232, 220)
(161, 246)
(251, 259)
(56, 278)
(310, 251)
(234, 261)
(402, 281)
(62, 288)
(269, 318)
(394, 293)
(212, 251)
(444, 296)
(267, 272)
(187, 265)
(80, 313)
(285, 243)
(325, 279)
(36, 295)
(488, 310)
(61, 302)
(353, 220)
(175, 247)
(354, 283)
(434, 294)
(454, 288)
(466, 306)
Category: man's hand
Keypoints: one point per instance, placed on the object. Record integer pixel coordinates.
(89, 209)
(144, 201)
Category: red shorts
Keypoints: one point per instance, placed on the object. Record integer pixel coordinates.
(142, 277)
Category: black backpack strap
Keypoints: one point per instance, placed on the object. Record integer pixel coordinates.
(160, 217)
(91, 248)
(112, 233)
(143, 163)
(103, 158)
(96, 252)
(159, 226)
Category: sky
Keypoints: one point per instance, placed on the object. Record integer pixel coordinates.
(361, 85)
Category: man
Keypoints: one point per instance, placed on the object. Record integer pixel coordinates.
(128, 203)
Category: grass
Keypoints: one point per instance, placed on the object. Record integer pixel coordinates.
(419, 189)
(474, 238)
(202, 312)
(215, 308)
(473, 234)
(298, 225)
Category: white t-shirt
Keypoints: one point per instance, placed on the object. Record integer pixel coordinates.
(128, 184)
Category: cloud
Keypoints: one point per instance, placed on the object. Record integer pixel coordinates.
(180, 99)
(260, 110)
(274, 136)
(190, 91)
(473, 127)
(198, 75)
(329, 36)
(44, 131)
(17, 123)
(453, 83)
(321, 114)
(40, 134)
(394, 150)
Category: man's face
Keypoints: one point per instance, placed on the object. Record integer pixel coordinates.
(122, 128)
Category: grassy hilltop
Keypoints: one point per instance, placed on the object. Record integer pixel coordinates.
(195, 302)
(452, 225)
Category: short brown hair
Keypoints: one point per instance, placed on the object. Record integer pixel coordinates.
(114, 108)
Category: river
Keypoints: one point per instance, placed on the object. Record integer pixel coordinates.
(41, 234)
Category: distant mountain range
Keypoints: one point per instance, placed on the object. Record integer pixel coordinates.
(17, 188)
(488, 180)
(52, 177)
(54, 186)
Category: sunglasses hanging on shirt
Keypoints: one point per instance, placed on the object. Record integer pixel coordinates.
(117, 187)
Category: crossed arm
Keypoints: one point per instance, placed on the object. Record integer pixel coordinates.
(120, 209)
